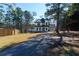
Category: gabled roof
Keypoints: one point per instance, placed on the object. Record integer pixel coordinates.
(37, 21)
(41, 20)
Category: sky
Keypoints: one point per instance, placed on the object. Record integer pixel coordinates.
(39, 8)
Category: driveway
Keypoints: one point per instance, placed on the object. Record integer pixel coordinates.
(37, 46)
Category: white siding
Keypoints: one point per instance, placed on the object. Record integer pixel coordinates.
(41, 29)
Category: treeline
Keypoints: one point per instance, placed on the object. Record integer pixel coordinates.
(14, 17)
(61, 12)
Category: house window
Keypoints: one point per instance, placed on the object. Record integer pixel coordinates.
(46, 29)
(38, 24)
(39, 28)
(46, 23)
(43, 29)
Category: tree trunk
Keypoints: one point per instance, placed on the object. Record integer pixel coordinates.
(57, 27)
(58, 23)
(14, 27)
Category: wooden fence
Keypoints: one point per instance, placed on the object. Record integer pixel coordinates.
(5, 31)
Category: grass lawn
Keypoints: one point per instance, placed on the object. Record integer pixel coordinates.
(6, 41)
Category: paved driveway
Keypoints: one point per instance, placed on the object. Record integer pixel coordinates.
(37, 46)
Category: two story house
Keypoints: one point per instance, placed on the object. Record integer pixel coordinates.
(41, 25)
